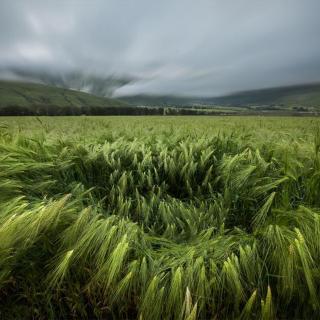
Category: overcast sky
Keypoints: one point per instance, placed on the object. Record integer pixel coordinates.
(170, 46)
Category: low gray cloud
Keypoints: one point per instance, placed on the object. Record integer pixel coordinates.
(169, 46)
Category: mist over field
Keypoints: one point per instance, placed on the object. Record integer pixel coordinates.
(205, 48)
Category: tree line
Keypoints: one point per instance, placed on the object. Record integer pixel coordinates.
(98, 111)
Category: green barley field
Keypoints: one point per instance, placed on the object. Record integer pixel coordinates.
(159, 218)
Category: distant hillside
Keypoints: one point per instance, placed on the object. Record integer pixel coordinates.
(293, 96)
(288, 97)
(19, 98)
(26, 98)
(102, 86)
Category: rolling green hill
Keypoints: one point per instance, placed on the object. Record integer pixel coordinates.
(307, 95)
(21, 98)
(102, 86)
(33, 96)
(299, 96)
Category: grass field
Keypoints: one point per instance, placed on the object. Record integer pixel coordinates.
(159, 218)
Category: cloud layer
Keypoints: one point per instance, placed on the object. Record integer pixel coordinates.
(171, 46)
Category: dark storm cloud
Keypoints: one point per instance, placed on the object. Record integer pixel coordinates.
(182, 47)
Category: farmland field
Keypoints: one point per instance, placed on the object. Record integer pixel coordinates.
(159, 217)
